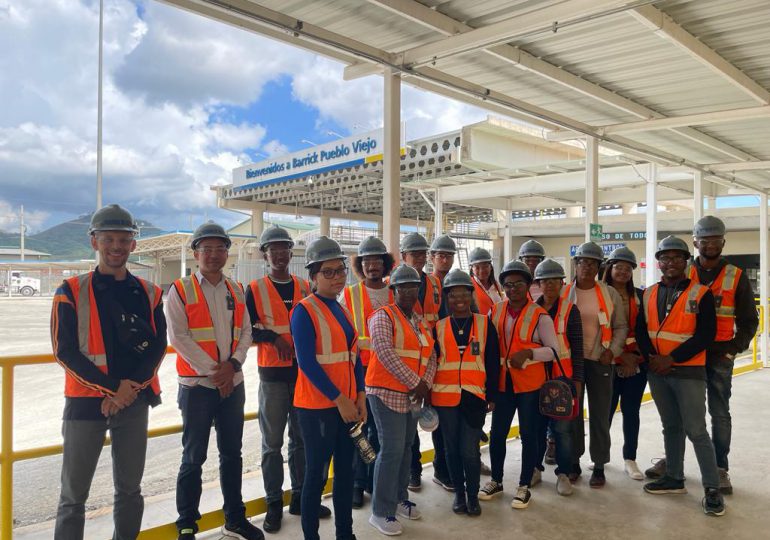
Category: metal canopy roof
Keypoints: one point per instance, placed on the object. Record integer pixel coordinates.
(677, 82)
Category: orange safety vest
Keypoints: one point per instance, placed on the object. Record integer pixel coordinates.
(90, 337)
(565, 351)
(334, 355)
(456, 373)
(414, 350)
(606, 309)
(199, 320)
(723, 288)
(532, 377)
(633, 313)
(432, 303)
(679, 325)
(360, 305)
(483, 300)
(274, 316)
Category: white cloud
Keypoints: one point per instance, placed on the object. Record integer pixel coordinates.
(10, 218)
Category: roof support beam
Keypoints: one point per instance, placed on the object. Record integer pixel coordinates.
(739, 166)
(666, 27)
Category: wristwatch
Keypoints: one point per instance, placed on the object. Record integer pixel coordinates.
(236, 364)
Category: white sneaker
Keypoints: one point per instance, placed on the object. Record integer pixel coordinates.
(388, 526)
(632, 470)
(522, 498)
(408, 510)
(537, 477)
(563, 486)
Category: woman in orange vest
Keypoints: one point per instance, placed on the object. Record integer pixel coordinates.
(487, 291)
(527, 341)
(630, 368)
(465, 386)
(401, 371)
(329, 396)
(371, 265)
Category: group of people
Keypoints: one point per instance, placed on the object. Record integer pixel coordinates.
(375, 356)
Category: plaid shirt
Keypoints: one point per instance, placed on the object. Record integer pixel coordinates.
(381, 335)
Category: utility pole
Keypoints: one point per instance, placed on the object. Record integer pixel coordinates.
(99, 112)
(22, 232)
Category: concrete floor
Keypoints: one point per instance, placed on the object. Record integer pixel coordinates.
(620, 510)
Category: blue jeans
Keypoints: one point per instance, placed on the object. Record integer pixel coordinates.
(391, 470)
(629, 391)
(531, 427)
(719, 384)
(201, 408)
(681, 404)
(275, 409)
(326, 435)
(562, 432)
(461, 445)
(363, 474)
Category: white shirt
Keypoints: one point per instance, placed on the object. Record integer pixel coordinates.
(180, 337)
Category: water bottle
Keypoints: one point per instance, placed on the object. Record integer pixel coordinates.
(365, 450)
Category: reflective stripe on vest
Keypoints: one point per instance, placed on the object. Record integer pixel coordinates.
(456, 373)
(560, 326)
(414, 350)
(200, 323)
(531, 377)
(723, 288)
(274, 316)
(357, 299)
(483, 300)
(606, 308)
(432, 303)
(679, 325)
(334, 355)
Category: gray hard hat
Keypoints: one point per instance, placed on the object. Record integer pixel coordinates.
(589, 250)
(709, 226)
(623, 254)
(210, 230)
(273, 235)
(372, 246)
(549, 269)
(515, 267)
(404, 274)
(413, 242)
(532, 248)
(112, 218)
(457, 278)
(322, 249)
(479, 255)
(672, 243)
(443, 243)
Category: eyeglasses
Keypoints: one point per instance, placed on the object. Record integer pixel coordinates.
(508, 285)
(442, 255)
(212, 250)
(330, 273)
(587, 262)
(278, 251)
(459, 294)
(672, 259)
(713, 241)
(373, 262)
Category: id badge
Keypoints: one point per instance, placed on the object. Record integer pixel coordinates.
(230, 303)
(423, 340)
(603, 319)
(692, 306)
(436, 299)
(475, 348)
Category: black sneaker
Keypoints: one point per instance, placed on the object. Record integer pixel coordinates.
(358, 498)
(324, 512)
(665, 485)
(657, 471)
(415, 481)
(445, 483)
(713, 502)
(473, 506)
(460, 504)
(597, 480)
(273, 517)
(186, 534)
(244, 531)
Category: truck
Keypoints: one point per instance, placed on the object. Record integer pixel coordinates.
(20, 284)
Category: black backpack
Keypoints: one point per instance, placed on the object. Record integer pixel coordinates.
(558, 396)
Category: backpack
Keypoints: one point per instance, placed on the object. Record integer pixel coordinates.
(558, 397)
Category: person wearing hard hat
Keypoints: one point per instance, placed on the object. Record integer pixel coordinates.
(674, 330)
(487, 290)
(549, 276)
(108, 332)
(400, 374)
(605, 328)
(330, 396)
(269, 300)
(442, 255)
(372, 264)
(414, 250)
(532, 253)
(527, 339)
(210, 328)
(630, 368)
(737, 323)
(465, 386)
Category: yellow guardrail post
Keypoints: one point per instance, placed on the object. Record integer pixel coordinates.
(6, 455)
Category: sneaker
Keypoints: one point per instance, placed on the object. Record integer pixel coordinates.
(408, 510)
(537, 477)
(485, 470)
(725, 486)
(474, 508)
(243, 530)
(186, 534)
(522, 498)
(597, 479)
(550, 453)
(563, 485)
(388, 526)
(658, 469)
(460, 504)
(324, 512)
(273, 517)
(713, 502)
(415, 482)
(445, 483)
(632, 470)
(664, 486)
(489, 490)
(358, 498)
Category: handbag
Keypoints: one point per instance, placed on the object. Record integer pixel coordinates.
(558, 397)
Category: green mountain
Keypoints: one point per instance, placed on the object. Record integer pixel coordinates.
(66, 241)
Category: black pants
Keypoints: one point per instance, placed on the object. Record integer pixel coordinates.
(440, 468)
(629, 391)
